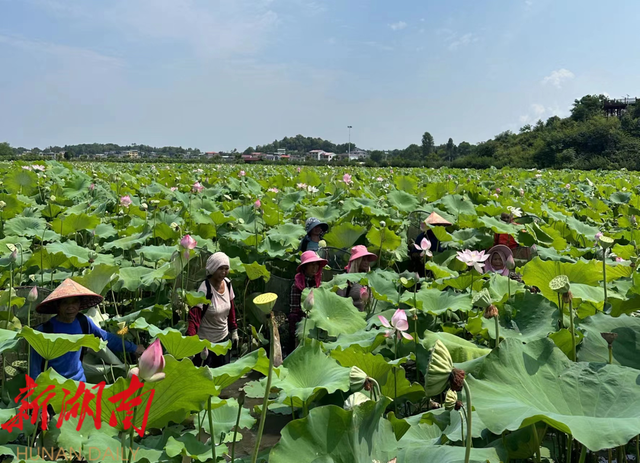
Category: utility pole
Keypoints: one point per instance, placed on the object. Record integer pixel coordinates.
(349, 127)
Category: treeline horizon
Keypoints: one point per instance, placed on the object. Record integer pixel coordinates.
(586, 139)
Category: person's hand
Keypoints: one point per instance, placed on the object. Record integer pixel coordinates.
(139, 350)
(234, 337)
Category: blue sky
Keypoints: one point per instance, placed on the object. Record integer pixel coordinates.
(223, 74)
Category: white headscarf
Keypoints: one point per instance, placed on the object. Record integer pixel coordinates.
(216, 261)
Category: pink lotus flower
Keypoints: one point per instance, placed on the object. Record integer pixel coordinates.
(197, 188)
(242, 173)
(399, 324)
(567, 186)
(379, 179)
(126, 201)
(302, 186)
(38, 167)
(92, 187)
(473, 259)
(299, 169)
(364, 294)
(33, 294)
(151, 365)
(521, 192)
(273, 190)
(174, 188)
(257, 204)
(188, 242)
(424, 247)
(598, 236)
(619, 259)
(346, 178)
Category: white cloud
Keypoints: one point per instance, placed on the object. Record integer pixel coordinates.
(557, 78)
(538, 109)
(462, 41)
(398, 26)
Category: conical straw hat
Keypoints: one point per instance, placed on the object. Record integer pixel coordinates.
(436, 219)
(69, 288)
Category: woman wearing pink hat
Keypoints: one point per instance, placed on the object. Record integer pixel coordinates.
(359, 262)
(309, 275)
(500, 256)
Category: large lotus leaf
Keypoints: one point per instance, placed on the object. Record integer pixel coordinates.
(188, 446)
(446, 454)
(367, 341)
(25, 226)
(539, 273)
(518, 385)
(185, 389)
(535, 317)
(98, 278)
(403, 201)
(21, 181)
(127, 242)
(460, 349)
(51, 346)
(74, 223)
(562, 339)
(437, 302)
(288, 234)
(452, 423)
(8, 342)
(501, 287)
(383, 283)
(226, 375)
(309, 372)
(384, 238)
(5, 415)
(625, 348)
(78, 255)
(256, 271)
(345, 235)
(332, 435)
(105, 231)
(379, 369)
(457, 205)
(131, 278)
(334, 314)
(186, 346)
(154, 314)
(498, 226)
(224, 419)
(157, 253)
(414, 432)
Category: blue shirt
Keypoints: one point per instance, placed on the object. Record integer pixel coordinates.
(69, 364)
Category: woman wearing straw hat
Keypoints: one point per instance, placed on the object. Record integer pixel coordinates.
(66, 301)
(359, 262)
(416, 263)
(215, 322)
(309, 275)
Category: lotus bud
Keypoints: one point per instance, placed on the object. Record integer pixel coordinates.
(357, 378)
(450, 400)
(144, 206)
(33, 294)
(609, 337)
(511, 263)
(307, 304)
(151, 365)
(241, 397)
(174, 226)
(560, 284)
(482, 299)
(606, 242)
(364, 294)
(383, 224)
(439, 370)
(354, 400)
(14, 255)
(188, 242)
(92, 187)
(490, 312)
(2, 204)
(155, 201)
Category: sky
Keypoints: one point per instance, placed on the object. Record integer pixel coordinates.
(224, 74)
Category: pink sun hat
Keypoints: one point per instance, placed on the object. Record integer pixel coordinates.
(361, 251)
(308, 257)
(504, 253)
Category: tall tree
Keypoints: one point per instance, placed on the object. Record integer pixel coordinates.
(451, 148)
(427, 145)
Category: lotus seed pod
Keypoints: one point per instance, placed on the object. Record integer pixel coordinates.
(266, 302)
(357, 378)
(457, 379)
(450, 400)
(567, 297)
(490, 312)
(439, 370)
(458, 405)
(606, 242)
(560, 284)
(322, 243)
(609, 337)
(354, 400)
(482, 299)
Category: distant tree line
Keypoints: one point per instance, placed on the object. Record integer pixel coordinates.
(587, 139)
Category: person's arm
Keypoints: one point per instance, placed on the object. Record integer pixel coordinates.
(233, 324)
(195, 316)
(36, 364)
(114, 342)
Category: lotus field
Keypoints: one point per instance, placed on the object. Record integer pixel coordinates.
(457, 366)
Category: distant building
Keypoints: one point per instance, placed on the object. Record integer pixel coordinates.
(132, 154)
(281, 151)
(321, 155)
(355, 155)
(253, 157)
(210, 154)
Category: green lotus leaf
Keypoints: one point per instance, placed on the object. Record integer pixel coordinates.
(226, 375)
(128, 242)
(379, 369)
(457, 206)
(157, 253)
(187, 346)
(625, 348)
(105, 231)
(519, 385)
(255, 271)
(188, 445)
(385, 237)
(288, 234)
(403, 201)
(452, 423)
(74, 222)
(51, 346)
(344, 235)
(447, 454)
(437, 302)
(132, 278)
(21, 181)
(25, 226)
(98, 278)
(308, 373)
(334, 314)
(460, 349)
(8, 342)
(77, 255)
(367, 341)
(224, 419)
(331, 434)
(539, 273)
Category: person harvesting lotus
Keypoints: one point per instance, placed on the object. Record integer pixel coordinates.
(501, 261)
(315, 230)
(359, 262)
(66, 301)
(417, 249)
(215, 322)
(309, 275)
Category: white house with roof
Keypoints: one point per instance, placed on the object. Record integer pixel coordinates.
(321, 155)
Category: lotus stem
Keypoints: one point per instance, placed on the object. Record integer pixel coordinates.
(621, 454)
(561, 308)
(265, 402)
(610, 354)
(610, 456)
(573, 332)
(583, 454)
(4, 376)
(133, 423)
(497, 322)
(9, 314)
(124, 355)
(467, 392)
(235, 431)
(213, 438)
(509, 287)
(637, 448)
(536, 439)
(604, 274)
(569, 445)
(29, 348)
(472, 284)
